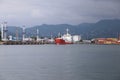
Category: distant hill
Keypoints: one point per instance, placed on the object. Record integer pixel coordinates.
(103, 28)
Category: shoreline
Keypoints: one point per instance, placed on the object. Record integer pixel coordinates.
(42, 43)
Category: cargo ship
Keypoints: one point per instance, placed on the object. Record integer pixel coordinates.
(59, 41)
(65, 39)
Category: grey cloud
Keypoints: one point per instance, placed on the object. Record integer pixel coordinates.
(108, 0)
(32, 12)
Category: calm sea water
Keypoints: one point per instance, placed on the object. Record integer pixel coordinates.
(60, 62)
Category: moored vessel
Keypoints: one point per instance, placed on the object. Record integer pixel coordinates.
(59, 41)
(65, 39)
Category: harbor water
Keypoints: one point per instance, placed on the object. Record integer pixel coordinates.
(60, 62)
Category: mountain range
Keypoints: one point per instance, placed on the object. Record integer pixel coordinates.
(101, 29)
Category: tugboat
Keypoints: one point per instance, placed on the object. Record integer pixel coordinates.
(65, 39)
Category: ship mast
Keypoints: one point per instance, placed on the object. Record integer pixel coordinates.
(59, 34)
(67, 30)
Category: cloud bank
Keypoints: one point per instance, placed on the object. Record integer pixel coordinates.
(35, 12)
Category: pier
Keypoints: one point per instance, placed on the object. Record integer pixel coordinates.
(24, 43)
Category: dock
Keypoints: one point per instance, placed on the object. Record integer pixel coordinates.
(23, 43)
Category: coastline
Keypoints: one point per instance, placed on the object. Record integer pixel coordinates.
(42, 43)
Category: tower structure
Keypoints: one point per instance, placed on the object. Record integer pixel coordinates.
(23, 36)
(37, 35)
(16, 33)
(4, 31)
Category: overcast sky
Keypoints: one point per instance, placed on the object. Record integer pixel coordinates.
(36, 12)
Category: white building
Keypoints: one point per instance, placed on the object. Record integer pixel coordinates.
(76, 38)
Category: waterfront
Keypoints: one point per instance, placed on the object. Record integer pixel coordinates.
(60, 62)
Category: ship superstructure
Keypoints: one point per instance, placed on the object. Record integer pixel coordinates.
(67, 38)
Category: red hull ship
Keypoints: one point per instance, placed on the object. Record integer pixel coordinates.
(59, 41)
(65, 39)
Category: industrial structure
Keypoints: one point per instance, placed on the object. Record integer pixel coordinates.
(4, 31)
(107, 41)
(61, 39)
(67, 38)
